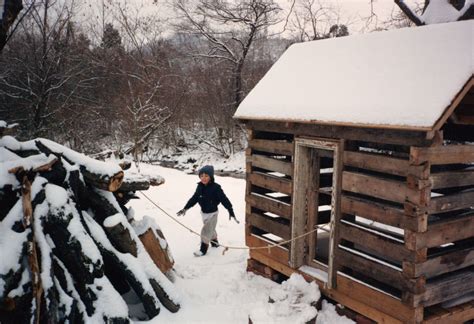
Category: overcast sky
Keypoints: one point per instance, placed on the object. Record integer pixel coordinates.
(353, 13)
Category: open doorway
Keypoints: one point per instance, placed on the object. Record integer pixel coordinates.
(316, 192)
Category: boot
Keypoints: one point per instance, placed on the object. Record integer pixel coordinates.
(203, 250)
(215, 242)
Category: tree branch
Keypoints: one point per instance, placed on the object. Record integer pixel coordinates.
(409, 12)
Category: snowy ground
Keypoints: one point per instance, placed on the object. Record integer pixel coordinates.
(216, 288)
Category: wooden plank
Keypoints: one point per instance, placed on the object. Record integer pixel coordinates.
(452, 179)
(268, 163)
(276, 147)
(377, 162)
(377, 243)
(447, 154)
(456, 100)
(334, 234)
(277, 253)
(457, 314)
(305, 163)
(270, 205)
(360, 298)
(451, 202)
(440, 233)
(313, 214)
(447, 288)
(372, 303)
(391, 190)
(270, 182)
(270, 225)
(447, 262)
(382, 135)
(380, 272)
(382, 213)
(376, 299)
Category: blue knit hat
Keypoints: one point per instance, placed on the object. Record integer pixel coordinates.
(209, 170)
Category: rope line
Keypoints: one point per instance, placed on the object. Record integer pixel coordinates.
(227, 247)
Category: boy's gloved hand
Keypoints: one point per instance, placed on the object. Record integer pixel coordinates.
(232, 215)
(182, 212)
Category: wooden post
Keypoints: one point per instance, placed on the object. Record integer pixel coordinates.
(248, 185)
(301, 183)
(313, 203)
(33, 263)
(335, 215)
(417, 183)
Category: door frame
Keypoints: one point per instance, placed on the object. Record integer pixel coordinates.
(303, 177)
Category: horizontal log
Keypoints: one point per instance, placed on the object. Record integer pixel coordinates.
(134, 185)
(447, 262)
(452, 179)
(379, 272)
(379, 244)
(377, 162)
(382, 213)
(270, 205)
(103, 182)
(451, 202)
(447, 154)
(275, 147)
(269, 224)
(442, 232)
(270, 164)
(382, 135)
(391, 190)
(448, 287)
(270, 182)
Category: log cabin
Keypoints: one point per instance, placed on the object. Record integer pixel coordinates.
(360, 161)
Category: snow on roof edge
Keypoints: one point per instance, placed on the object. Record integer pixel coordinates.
(444, 42)
(469, 84)
(335, 123)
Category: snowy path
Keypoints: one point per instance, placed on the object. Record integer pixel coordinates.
(216, 288)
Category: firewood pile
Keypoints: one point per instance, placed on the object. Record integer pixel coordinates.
(70, 249)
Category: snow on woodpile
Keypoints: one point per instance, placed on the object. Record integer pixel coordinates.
(405, 78)
(68, 250)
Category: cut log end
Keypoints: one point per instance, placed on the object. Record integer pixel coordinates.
(116, 181)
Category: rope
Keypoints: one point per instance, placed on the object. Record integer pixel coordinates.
(226, 247)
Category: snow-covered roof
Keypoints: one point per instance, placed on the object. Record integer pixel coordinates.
(403, 78)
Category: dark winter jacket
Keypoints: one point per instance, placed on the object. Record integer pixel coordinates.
(209, 196)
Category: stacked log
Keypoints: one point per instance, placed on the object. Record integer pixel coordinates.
(69, 252)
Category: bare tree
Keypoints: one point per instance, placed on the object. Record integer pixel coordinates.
(45, 74)
(452, 10)
(230, 28)
(313, 19)
(143, 114)
(142, 118)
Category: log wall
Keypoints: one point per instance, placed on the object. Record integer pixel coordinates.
(269, 185)
(406, 227)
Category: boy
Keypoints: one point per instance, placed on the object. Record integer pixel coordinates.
(208, 194)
